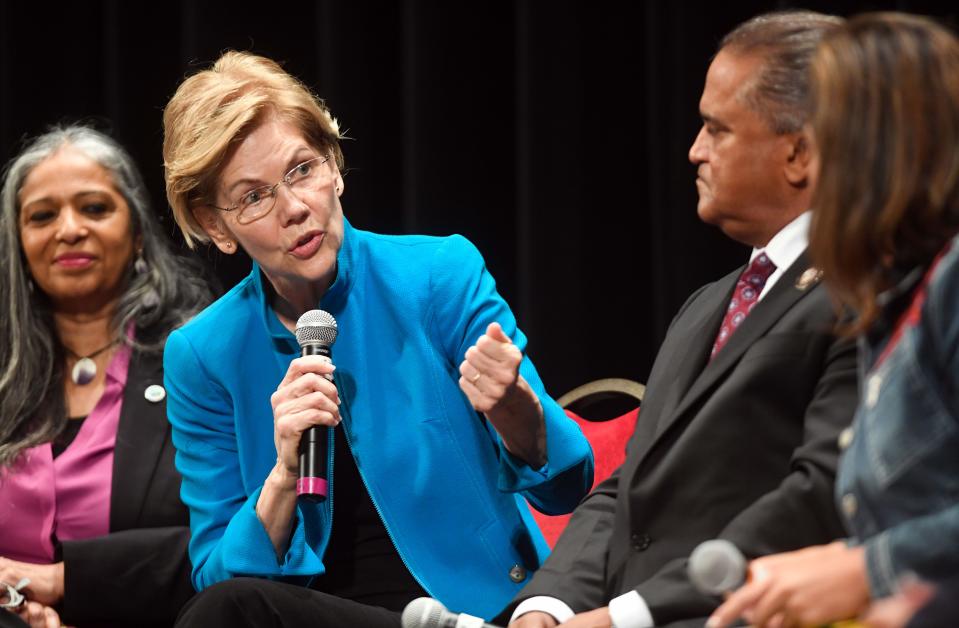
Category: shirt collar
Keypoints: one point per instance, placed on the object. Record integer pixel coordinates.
(787, 245)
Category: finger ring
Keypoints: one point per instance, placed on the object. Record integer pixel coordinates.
(475, 378)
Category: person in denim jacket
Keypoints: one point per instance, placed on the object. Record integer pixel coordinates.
(886, 124)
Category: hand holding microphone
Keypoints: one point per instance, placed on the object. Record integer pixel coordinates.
(305, 404)
(315, 332)
(807, 587)
(425, 612)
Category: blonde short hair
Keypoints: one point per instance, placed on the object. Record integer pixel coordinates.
(215, 109)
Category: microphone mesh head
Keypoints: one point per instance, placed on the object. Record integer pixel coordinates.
(716, 567)
(316, 327)
(423, 612)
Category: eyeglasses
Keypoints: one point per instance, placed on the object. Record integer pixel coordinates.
(258, 202)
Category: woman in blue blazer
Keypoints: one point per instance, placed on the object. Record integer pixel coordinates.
(438, 424)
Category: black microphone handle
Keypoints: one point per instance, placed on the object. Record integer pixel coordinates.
(312, 482)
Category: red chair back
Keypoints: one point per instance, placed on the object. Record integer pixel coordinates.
(608, 440)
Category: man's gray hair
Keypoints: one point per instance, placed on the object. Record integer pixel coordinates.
(786, 42)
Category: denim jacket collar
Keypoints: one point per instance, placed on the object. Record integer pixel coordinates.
(892, 303)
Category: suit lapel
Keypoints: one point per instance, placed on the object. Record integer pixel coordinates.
(695, 335)
(140, 437)
(685, 351)
(773, 306)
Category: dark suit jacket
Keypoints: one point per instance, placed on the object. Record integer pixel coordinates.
(139, 573)
(743, 447)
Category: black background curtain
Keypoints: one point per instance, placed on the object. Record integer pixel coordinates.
(552, 134)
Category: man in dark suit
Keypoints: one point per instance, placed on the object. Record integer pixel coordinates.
(751, 389)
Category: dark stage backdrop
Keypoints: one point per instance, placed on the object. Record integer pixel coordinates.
(552, 134)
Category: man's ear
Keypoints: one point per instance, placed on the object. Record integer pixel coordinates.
(211, 222)
(798, 168)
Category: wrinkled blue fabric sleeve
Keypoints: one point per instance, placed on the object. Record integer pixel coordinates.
(465, 302)
(227, 537)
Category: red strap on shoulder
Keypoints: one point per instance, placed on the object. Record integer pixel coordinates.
(910, 318)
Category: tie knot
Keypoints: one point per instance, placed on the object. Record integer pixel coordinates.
(745, 297)
(758, 271)
(752, 281)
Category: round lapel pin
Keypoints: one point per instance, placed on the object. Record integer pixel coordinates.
(154, 393)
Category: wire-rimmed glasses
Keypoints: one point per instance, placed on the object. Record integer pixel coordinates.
(258, 202)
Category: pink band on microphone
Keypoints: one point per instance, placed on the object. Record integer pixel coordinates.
(311, 486)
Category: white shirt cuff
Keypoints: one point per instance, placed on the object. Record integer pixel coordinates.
(544, 604)
(629, 610)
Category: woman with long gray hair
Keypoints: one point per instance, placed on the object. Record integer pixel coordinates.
(89, 497)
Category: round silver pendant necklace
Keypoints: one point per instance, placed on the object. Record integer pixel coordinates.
(85, 369)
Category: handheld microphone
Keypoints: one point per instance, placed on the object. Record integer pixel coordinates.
(717, 567)
(315, 333)
(425, 612)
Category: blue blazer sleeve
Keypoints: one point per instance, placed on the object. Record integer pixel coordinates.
(464, 302)
(227, 537)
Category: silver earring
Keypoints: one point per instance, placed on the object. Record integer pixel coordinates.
(150, 299)
(140, 266)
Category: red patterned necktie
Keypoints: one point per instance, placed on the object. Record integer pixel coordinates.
(745, 297)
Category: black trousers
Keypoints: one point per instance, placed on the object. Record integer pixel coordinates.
(9, 620)
(255, 602)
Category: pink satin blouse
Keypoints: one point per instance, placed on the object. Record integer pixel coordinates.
(44, 499)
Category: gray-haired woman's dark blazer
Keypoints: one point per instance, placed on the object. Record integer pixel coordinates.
(139, 573)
